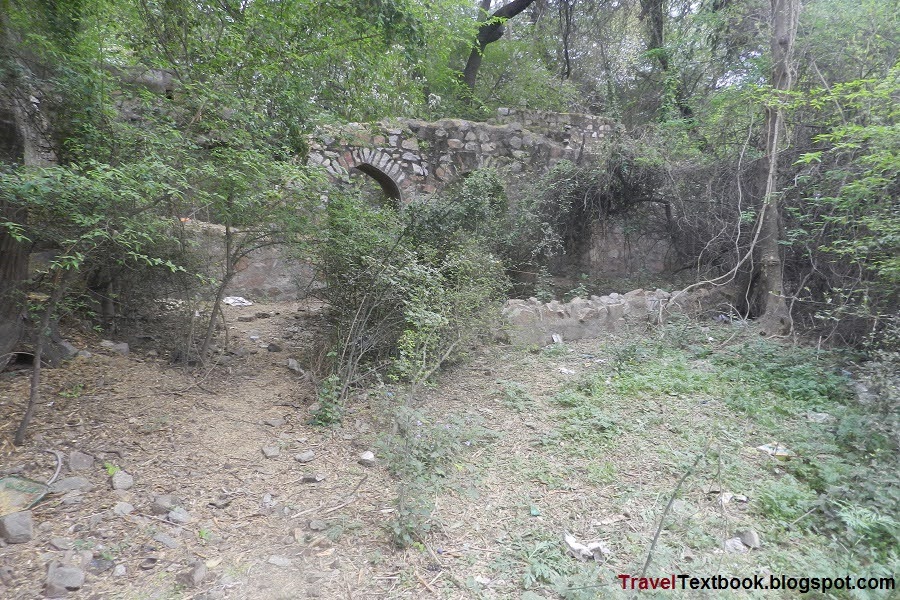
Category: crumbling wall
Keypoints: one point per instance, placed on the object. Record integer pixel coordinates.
(533, 322)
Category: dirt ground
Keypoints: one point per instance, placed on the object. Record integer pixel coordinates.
(197, 435)
(273, 527)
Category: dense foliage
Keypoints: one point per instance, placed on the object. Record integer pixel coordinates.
(157, 112)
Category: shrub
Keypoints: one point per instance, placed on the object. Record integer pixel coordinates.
(409, 290)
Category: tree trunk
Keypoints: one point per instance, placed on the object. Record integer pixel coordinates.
(26, 140)
(13, 271)
(774, 316)
(41, 337)
(490, 31)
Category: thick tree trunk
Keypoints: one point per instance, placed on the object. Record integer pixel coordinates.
(13, 254)
(774, 316)
(26, 140)
(490, 31)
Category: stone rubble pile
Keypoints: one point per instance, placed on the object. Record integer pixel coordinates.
(534, 322)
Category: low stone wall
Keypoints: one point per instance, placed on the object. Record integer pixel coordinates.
(534, 322)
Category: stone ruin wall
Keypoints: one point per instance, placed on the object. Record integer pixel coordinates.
(420, 157)
(571, 130)
(531, 322)
(412, 157)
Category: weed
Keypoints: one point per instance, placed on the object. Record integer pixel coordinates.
(785, 500)
(555, 351)
(422, 453)
(111, 469)
(74, 391)
(515, 396)
(541, 564)
(582, 290)
(330, 411)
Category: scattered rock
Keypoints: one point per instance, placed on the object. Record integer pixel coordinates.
(305, 457)
(294, 366)
(64, 578)
(313, 478)
(166, 540)
(118, 348)
(119, 571)
(17, 528)
(819, 417)
(101, 565)
(79, 461)
(179, 515)
(122, 481)
(61, 543)
(279, 561)
(274, 422)
(735, 546)
(51, 590)
(123, 508)
(777, 450)
(263, 315)
(70, 498)
(593, 550)
(69, 484)
(79, 559)
(163, 504)
(273, 347)
(194, 576)
(271, 451)
(317, 525)
(246, 318)
(367, 459)
(863, 394)
(750, 538)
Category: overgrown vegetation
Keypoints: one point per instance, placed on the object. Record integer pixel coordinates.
(423, 453)
(840, 488)
(410, 290)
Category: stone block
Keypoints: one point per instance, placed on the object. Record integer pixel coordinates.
(17, 528)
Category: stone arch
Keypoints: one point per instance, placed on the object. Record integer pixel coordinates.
(388, 185)
(378, 165)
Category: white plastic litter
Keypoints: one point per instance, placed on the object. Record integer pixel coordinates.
(236, 301)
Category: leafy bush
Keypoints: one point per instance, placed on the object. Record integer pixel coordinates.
(411, 290)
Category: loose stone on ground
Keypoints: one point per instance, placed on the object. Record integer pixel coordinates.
(122, 481)
(79, 461)
(305, 457)
(17, 528)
